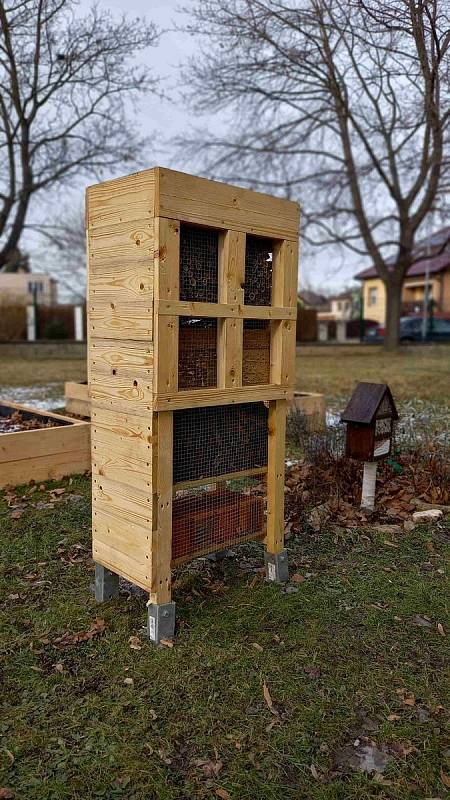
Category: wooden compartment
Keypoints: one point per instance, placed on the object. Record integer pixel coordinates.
(43, 453)
(213, 519)
(256, 353)
(197, 354)
(192, 306)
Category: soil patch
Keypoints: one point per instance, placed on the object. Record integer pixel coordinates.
(16, 422)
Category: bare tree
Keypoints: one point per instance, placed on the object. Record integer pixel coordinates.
(64, 252)
(66, 86)
(344, 104)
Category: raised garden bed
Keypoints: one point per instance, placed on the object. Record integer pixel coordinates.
(40, 446)
(77, 399)
(312, 405)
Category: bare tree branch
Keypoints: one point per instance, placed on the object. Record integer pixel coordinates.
(66, 87)
(342, 104)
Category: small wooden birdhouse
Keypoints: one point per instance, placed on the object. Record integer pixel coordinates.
(369, 415)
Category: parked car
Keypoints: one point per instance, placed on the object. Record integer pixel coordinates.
(438, 330)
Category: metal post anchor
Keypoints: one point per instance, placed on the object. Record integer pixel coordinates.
(161, 621)
(277, 566)
(106, 584)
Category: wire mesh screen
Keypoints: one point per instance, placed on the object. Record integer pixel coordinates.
(219, 440)
(256, 352)
(214, 516)
(197, 353)
(258, 271)
(199, 259)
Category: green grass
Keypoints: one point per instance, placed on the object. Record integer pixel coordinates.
(417, 372)
(334, 654)
(414, 372)
(41, 371)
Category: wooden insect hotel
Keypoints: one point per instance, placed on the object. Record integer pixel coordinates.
(192, 316)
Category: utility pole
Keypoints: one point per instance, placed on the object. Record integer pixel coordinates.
(427, 284)
(36, 312)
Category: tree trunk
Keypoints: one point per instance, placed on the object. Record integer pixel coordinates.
(393, 312)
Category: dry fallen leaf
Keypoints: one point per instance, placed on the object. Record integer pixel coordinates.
(16, 515)
(209, 767)
(69, 639)
(166, 642)
(444, 778)
(257, 647)
(314, 772)
(440, 628)
(297, 578)
(135, 643)
(393, 717)
(410, 700)
(223, 794)
(128, 681)
(6, 794)
(58, 667)
(269, 700)
(402, 749)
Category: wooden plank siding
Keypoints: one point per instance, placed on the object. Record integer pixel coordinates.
(121, 243)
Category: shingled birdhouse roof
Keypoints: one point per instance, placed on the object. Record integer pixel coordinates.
(366, 401)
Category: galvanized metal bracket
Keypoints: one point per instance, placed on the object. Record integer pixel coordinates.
(161, 621)
(277, 567)
(106, 584)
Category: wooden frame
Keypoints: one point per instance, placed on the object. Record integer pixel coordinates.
(134, 307)
(312, 405)
(43, 453)
(76, 397)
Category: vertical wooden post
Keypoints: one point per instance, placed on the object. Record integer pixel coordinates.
(167, 259)
(231, 290)
(167, 287)
(284, 293)
(161, 555)
(275, 476)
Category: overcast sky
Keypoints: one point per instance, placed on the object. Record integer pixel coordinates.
(168, 117)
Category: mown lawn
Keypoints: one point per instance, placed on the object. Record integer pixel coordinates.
(40, 371)
(356, 655)
(415, 372)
